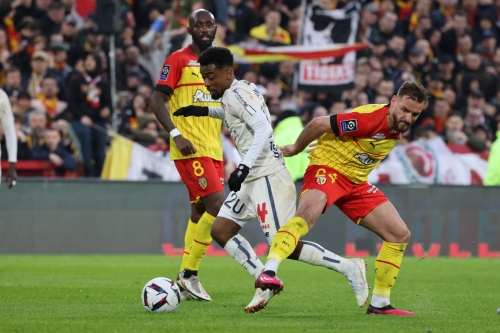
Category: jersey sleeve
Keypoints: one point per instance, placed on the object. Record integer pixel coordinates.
(245, 103)
(170, 74)
(353, 124)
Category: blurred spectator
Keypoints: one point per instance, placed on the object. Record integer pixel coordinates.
(241, 19)
(22, 106)
(384, 30)
(60, 52)
(47, 100)
(452, 31)
(32, 78)
(131, 68)
(51, 23)
(12, 85)
(337, 107)
(89, 105)
(439, 115)
(23, 151)
(37, 121)
(270, 30)
(369, 16)
(149, 134)
(492, 177)
(53, 150)
(287, 130)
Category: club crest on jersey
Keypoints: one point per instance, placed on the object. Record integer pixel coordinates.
(348, 125)
(378, 136)
(203, 183)
(321, 180)
(164, 72)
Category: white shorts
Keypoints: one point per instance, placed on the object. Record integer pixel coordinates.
(270, 199)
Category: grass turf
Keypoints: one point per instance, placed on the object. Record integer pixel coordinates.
(102, 294)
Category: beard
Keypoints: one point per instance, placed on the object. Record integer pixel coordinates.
(203, 45)
(400, 126)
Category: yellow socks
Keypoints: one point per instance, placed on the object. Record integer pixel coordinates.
(387, 268)
(188, 241)
(286, 239)
(201, 241)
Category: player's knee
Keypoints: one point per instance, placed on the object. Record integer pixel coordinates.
(403, 235)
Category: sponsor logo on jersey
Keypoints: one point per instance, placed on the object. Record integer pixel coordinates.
(193, 63)
(203, 183)
(364, 158)
(164, 72)
(200, 96)
(378, 136)
(348, 125)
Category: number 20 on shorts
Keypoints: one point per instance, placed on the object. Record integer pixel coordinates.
(198, 169)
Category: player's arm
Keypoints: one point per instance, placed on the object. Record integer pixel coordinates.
(316, 128)
(250, 112)
(169, 77)
(200, 111)
(352, 124)
(7, 119)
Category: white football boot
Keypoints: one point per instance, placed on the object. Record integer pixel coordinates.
(260, 300)
(193, 286)
(185, 296)
(357, 280)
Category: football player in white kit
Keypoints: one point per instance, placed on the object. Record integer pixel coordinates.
(7, 120)
(261, 186)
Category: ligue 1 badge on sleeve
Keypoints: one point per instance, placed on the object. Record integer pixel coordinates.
(164, 72)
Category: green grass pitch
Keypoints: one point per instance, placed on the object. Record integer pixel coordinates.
(102, 294)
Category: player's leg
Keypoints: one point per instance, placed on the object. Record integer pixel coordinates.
(225, 233)
(201, 175)
(385, 221)
(279, 208)
(311, 205)
(197, 210)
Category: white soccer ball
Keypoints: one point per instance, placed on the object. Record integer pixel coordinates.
(161, 295)
(498, 311)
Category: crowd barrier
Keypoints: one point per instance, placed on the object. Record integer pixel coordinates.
(49, 216)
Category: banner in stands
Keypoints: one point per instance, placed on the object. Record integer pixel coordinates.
(325, 26)
(127, 160)
(431, 162)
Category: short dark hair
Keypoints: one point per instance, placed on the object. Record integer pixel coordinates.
(414, 91)
(220, 57)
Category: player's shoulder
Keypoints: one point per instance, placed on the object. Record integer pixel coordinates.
(371, 109)
(183, 57)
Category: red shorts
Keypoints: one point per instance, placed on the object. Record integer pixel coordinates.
(202, 176)
(354, 200)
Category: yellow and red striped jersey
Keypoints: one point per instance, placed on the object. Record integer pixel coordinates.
(360, 141)
(181, 79)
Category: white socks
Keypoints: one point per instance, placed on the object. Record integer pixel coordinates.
(241, 251)
(379, 301)
(315, 254)
(272, 265)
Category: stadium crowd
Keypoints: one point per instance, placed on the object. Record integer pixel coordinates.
(54, 66)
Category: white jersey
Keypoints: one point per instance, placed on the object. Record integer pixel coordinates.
(7, 120)
(246, 116)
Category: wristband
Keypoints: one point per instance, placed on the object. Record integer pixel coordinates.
(175, 132)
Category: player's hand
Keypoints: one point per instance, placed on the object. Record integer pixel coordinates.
(184, 145)
(288, 150)
(237, 177)
(192, 110)
(11, 176)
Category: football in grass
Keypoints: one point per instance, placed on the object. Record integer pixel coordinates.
(161, 295)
